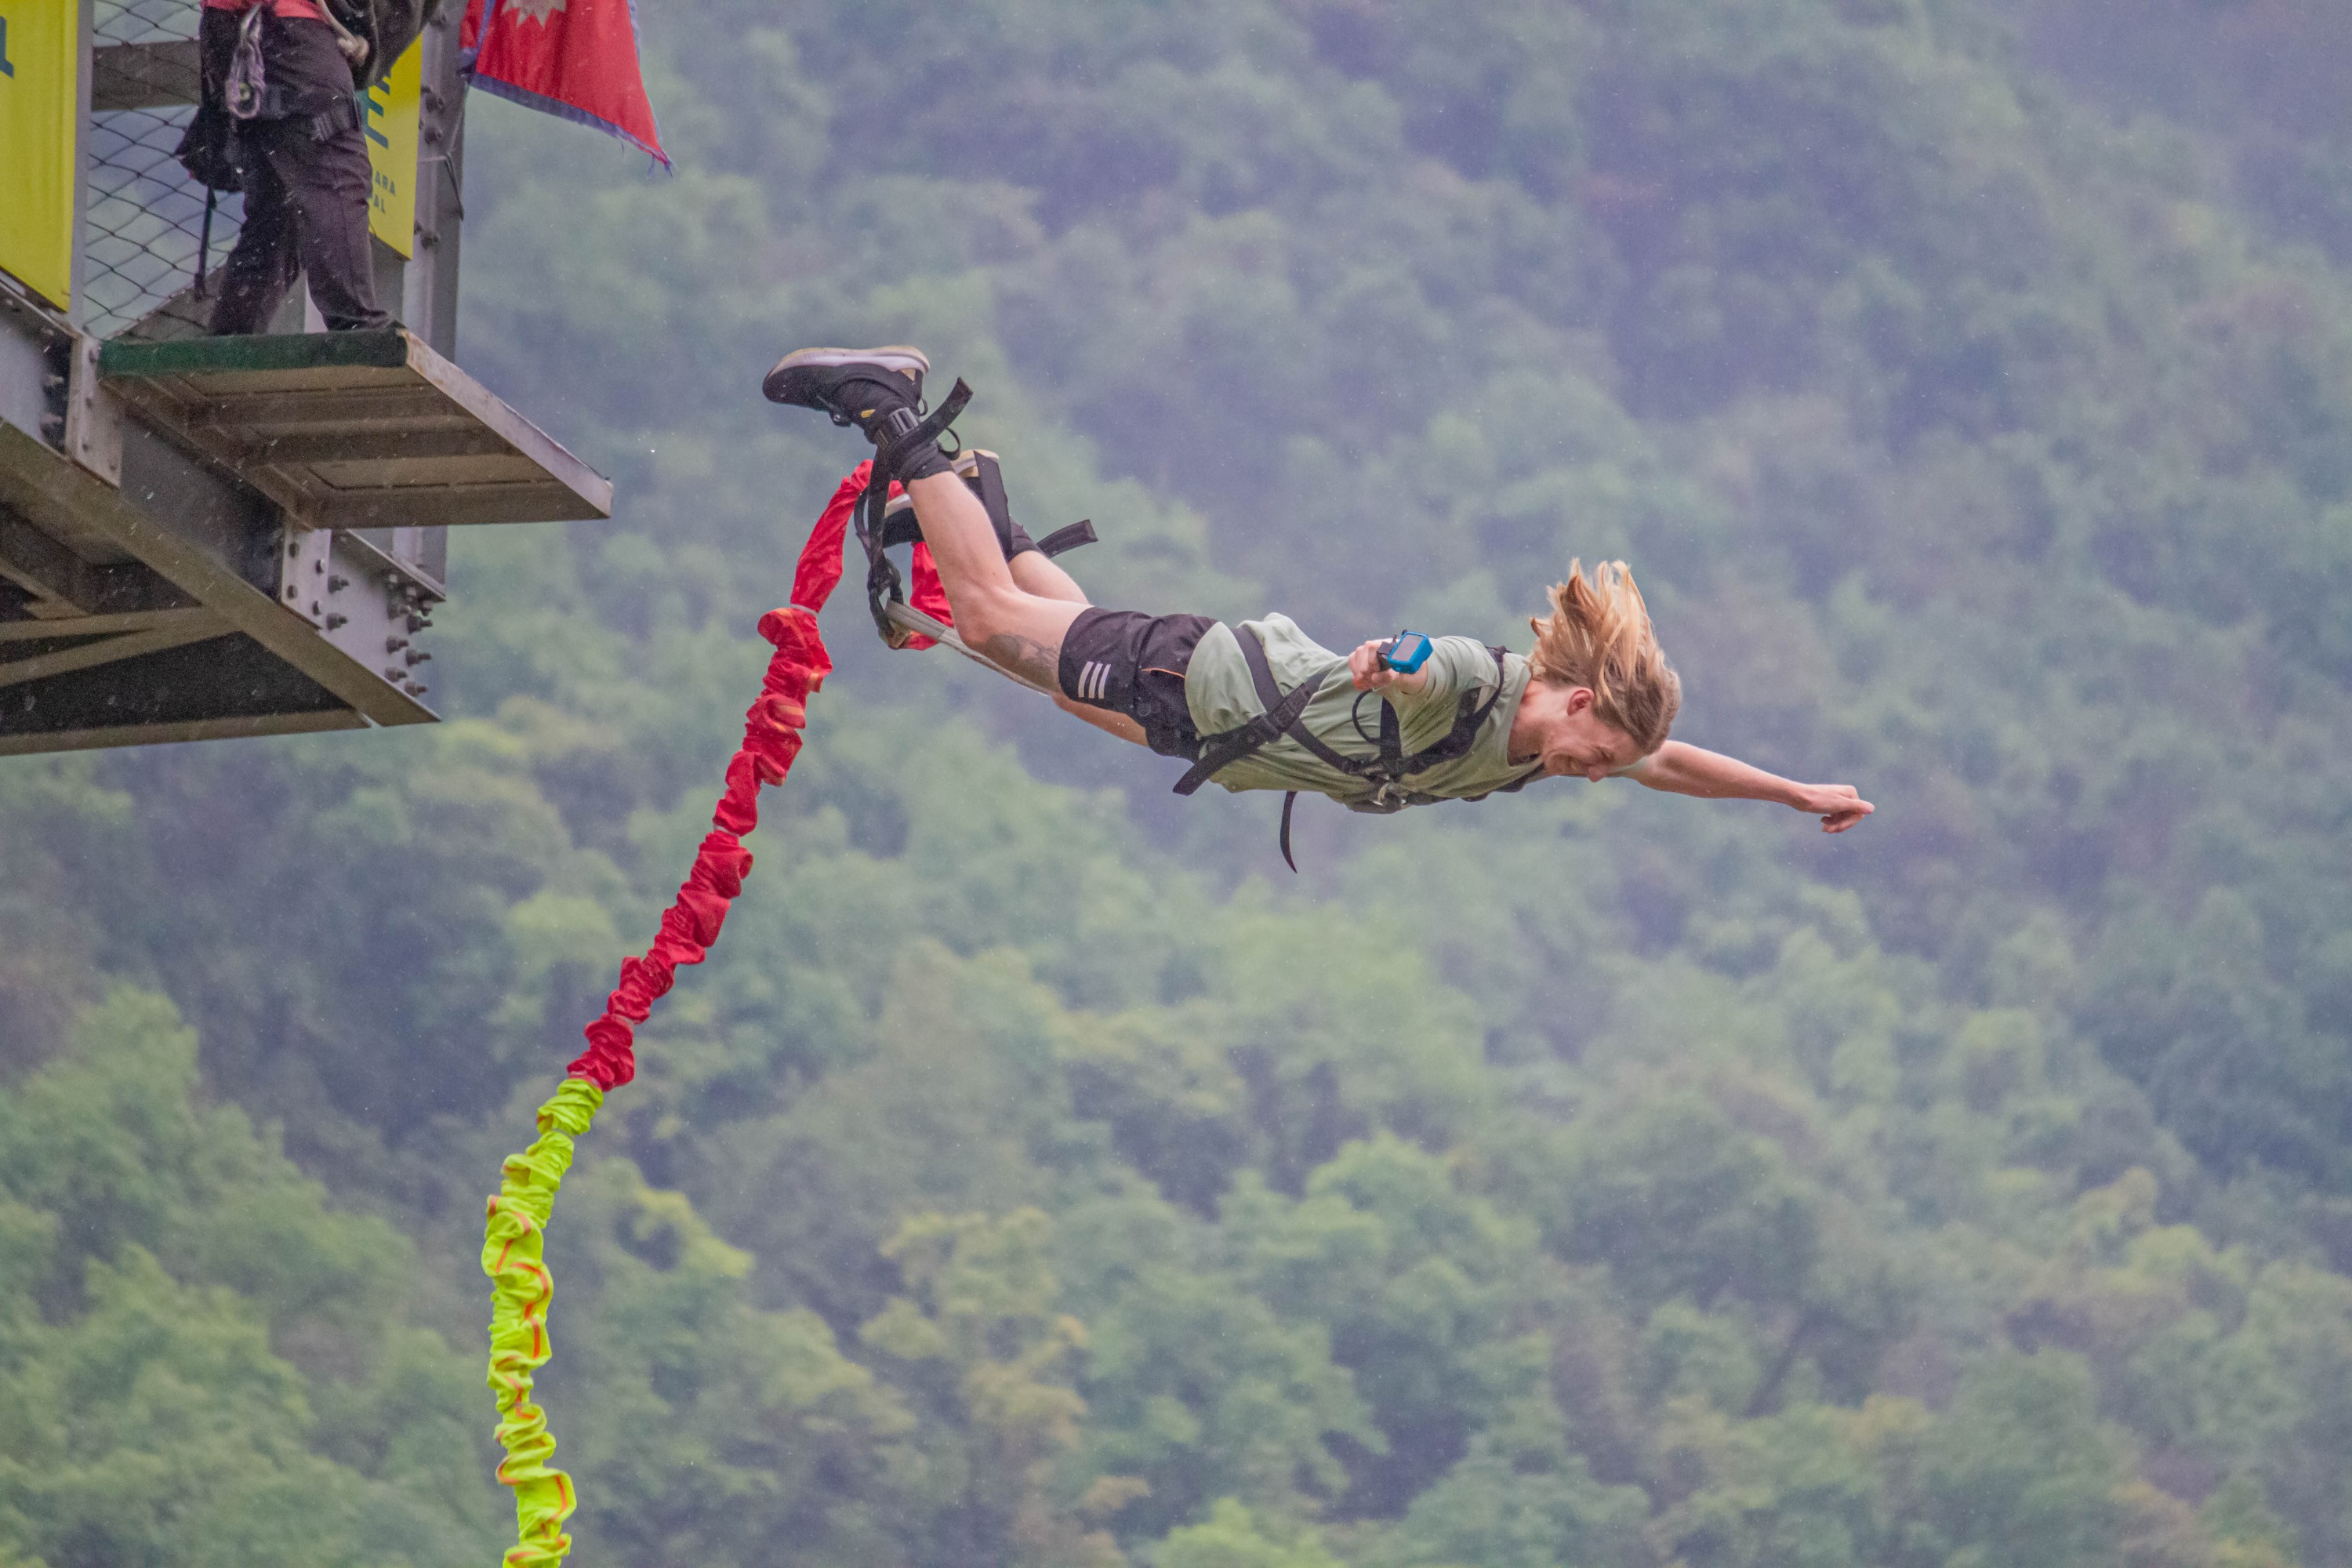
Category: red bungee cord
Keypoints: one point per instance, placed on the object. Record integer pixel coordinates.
(772, 739)
(513, 1241)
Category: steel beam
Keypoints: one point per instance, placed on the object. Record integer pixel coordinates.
(71, 585)
(109, 624)
(222, 687)
(101, 736)
(89, 652)
(219, 545)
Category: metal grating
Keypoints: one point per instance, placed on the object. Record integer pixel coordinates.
(144, 216)
(145, 21)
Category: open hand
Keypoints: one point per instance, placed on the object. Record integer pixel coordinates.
(1839, 806)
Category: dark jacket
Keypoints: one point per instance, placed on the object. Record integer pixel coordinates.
(306, 73)
(388, 26)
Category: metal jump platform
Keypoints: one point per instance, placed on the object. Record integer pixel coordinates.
(208, 537)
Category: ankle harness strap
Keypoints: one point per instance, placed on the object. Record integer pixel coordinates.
(884, 586)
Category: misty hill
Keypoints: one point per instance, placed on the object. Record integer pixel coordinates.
(1037, 1173)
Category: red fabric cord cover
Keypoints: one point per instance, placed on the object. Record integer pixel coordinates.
(772, 739)
(820, 568)
(513, 1231)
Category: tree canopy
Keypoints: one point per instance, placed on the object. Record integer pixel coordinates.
(1037, 1174)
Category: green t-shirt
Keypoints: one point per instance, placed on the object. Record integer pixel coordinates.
(1218, 690)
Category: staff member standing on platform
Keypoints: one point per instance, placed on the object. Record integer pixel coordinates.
(280, 120)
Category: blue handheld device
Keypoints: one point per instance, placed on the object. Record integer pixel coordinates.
(1406, 652)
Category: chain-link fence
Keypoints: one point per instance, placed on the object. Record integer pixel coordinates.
(145, 218)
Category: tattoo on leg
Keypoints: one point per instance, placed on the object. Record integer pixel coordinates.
(1041, 662)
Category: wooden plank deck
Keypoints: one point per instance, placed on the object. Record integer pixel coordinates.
(356, 430)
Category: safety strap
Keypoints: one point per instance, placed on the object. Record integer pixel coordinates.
(1391, 765)
(1283, 715)
(1062, 541)
(1226, 747)
(899, 527)
(986, 481)
(993, 499)
(341, 115)
(883, 587)
(204, 240)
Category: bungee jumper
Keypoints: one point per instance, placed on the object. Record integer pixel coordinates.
(1253, 706)
(1402, 721)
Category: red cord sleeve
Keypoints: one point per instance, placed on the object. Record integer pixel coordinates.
(772, 739)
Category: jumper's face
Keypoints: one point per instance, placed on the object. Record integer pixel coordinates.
(1556, 724)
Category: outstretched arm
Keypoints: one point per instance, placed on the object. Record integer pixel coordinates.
(1678, 769)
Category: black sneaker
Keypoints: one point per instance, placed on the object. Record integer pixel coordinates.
(863, 387)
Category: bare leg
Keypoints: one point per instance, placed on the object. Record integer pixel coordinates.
(1013, 613)
(1017, 629)
(1033, 573)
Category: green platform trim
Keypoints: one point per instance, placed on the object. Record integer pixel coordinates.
(386, 349)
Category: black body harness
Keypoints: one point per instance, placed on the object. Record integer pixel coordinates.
(884, 586)
(987, 481)
(1387, 770)
(878, 534)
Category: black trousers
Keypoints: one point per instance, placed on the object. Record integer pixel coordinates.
(306, 195)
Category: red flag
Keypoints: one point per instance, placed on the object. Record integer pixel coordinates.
(577, 58)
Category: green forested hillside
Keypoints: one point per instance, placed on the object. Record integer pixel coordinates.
(1038, 1173)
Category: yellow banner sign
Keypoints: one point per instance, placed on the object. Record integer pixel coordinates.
(40, 99)
(392, 107)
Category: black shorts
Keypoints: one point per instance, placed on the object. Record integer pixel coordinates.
(1132, 663)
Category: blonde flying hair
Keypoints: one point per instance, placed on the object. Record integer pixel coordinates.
(1598, 636)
